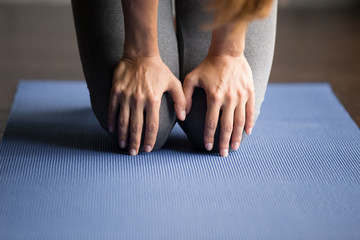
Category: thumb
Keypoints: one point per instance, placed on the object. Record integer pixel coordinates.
(179, 99)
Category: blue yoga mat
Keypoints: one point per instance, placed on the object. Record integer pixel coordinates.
(296, 177)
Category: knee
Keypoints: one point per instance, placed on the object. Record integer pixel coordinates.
(167, 117)
(194, 124)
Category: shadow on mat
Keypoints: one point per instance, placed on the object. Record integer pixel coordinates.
(77, 128)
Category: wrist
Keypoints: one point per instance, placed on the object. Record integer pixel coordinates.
(134, 52)
(228, 40)
(141, 45)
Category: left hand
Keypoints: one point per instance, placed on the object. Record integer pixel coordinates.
(228, 83)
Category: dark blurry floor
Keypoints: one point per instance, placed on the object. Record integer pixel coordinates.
(38, 42)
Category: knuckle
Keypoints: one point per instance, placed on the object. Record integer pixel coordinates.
(135, 128)
(244, 98)
(214, 97)
(251, 90)
(250, 122)
(237, 132)
(122, 121)
(124, 95)
(120, 89)
(230, 97)
(228, 128)
(153, 100)
(237, 135)
(188, 79)
(117, 88)
(240, 122)
(152, 127)
(137, 96)
(241, 94)
(211, 125)
(250, 95)
(208, 135)
(250, 114)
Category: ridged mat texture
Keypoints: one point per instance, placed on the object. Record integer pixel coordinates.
(296, 177)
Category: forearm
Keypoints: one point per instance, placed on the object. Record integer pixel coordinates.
(239, 11)
(140, 18)
(230, 23)
(227, 40)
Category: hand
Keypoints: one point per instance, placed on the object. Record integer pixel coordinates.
(138, 85)
(228, 83)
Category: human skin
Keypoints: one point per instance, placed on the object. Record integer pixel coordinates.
(226, 77)
(141, 78)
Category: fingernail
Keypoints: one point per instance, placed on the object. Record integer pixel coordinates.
(183, 115)
(122, 144)
(147, 148)
(250, 130)
(224, 152)
(111, 128)
(208, 146)
(132, 151)
(236, 146)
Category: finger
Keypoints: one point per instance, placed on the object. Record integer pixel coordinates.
(179, 99)
(250, 114)
(239, 122)
(136, 118)
(113, 106)
(152, 125)
(123, 122)
(190, 82)
(227, 121)
(211, 121)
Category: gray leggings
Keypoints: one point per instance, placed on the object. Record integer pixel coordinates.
(100, 33)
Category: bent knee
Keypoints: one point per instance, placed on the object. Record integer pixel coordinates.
(167, 118)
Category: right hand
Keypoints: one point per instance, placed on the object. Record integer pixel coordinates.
(138, 85)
